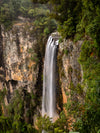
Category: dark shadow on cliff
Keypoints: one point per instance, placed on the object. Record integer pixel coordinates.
(40, 48)
(59, 101)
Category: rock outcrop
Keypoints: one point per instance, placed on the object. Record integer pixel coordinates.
(70, 71)
(19, 62)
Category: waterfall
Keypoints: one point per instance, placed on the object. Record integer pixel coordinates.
(49, 79)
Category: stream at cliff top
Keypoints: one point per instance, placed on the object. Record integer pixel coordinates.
(49, 79)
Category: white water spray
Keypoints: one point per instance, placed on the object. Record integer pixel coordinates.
(49, 79)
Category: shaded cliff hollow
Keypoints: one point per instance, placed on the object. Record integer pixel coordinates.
(21, 61)
(70, 73)
(2, 66)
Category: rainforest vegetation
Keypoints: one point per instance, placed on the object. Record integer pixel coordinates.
(74, 19)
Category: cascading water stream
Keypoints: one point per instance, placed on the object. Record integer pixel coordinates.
(49, 79)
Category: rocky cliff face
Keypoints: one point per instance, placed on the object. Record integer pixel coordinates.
(70, 71)
(18, 65)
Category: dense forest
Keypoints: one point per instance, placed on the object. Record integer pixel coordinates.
(74, 19)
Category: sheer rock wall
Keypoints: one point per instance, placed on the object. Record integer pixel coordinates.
(70, 71)
(17, 69)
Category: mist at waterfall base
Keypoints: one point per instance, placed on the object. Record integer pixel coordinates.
(49, 79)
